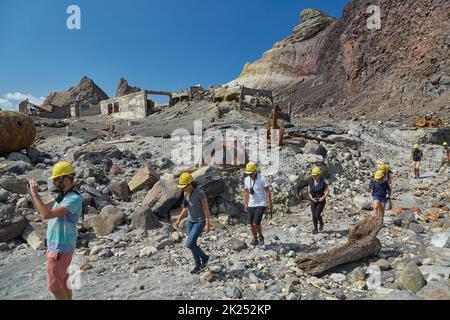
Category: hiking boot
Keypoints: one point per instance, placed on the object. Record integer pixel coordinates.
(204, 263)
(321, 227)
(315, 231)
(196, 270)
(254, 242)
(261, 241)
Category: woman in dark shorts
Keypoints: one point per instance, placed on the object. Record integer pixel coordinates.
(381, 192)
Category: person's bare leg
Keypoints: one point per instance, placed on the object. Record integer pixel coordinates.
(60, 295)
(259, 230)
(375, 207)
(69, 294)
(254, 231)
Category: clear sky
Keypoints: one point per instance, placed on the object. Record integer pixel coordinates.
(154, 44)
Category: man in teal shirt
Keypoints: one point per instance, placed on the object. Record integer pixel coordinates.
(63, 214)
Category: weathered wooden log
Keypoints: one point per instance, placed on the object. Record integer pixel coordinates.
(17, 131)
(362, 243)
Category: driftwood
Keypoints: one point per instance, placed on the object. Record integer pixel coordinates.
(362, 243)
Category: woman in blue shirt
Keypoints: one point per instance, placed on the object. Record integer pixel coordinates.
(318, 191)
(381, 192)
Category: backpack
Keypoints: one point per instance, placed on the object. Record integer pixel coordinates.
(417, 155)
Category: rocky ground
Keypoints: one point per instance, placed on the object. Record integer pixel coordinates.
(127, 178)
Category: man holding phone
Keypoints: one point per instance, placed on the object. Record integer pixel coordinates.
(63, 214)
(257, 198)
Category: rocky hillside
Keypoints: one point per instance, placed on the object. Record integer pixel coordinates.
(342, 68)
(123, 88)
(86, 92)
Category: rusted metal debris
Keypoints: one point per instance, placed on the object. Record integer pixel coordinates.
(429, 122)
(272, 124)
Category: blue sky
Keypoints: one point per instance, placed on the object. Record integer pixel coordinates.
(154, 44)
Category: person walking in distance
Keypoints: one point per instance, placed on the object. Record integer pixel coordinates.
(416, 158)
(257, 198)
(318, 191)
(445, 157)
(196, 207)
(62, 214)
(389, 177)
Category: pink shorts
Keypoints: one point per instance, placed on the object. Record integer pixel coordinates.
(57, 269)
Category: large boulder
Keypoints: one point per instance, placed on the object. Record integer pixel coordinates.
(210, 181)
(363, 203)
(120, 190)
(14, 185)
(94, 153)
(18, 167)
(411, 278)
(145, 219)
(93, 198)
(163, 196)
(397, 295)
(4, 195)
(35, 234)
(436, 253)
(441, 240)
(348, 141)
(144, 178)
(34, 155)
(17, 131)
(237, 245)
(105, 223)
(313, 147)
(435, 272)
(12, 230)
(435, 290)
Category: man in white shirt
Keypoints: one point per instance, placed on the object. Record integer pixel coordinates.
(257, 198)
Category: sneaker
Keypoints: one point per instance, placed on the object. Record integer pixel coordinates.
(204, 263)
(196, 270)
(261, 241)
(321, 227)
(254, 242)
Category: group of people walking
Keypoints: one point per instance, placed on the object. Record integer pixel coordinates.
(64, 212)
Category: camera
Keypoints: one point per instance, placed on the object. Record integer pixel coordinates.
(252, 191)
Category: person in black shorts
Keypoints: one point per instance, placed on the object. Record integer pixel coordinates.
(416, 158)
(257, 198)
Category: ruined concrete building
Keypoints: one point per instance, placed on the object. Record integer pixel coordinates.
(134, 106)
(238, 94)
(137, 105)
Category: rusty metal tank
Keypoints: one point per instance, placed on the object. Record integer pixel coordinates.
(17, 131)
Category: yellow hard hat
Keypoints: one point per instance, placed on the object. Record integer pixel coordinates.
(445, 144)
(316, 171)
(416, 146)
(383, 167)
(62, 169)
(185, 180)
(251, 168)
(379, 175)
